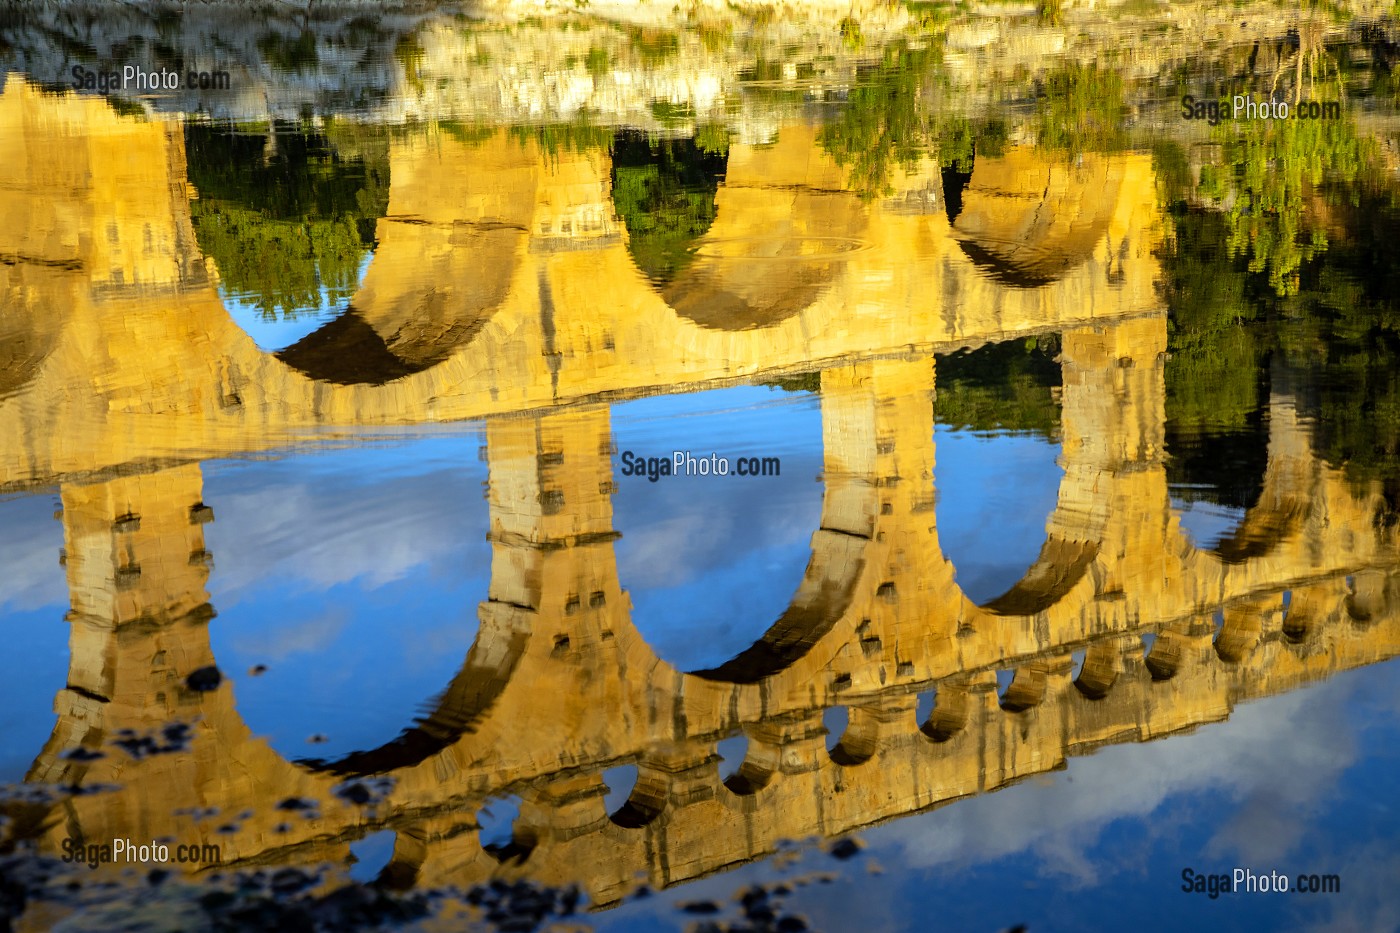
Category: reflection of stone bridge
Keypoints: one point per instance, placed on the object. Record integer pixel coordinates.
(502, 282)
(559, 685)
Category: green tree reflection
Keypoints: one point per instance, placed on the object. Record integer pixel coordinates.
(286, 217)
(888, 122)
(1300, 299)
(1080, 109)
(664, 192)
(882, 125)
(1002, 387)
(1268, 169)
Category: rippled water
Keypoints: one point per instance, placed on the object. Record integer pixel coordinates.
(747, 470)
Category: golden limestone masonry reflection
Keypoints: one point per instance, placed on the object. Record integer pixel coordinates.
(466, 321)
(877, 619)
(559, 686)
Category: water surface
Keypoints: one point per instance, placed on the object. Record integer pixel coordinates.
(1052, 556)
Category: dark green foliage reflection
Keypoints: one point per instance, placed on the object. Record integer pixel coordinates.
(882, 125)
(1254, 310)
(287, 218)
(664, 192)
(1003, 387)
(1080, 109)
(1269, 170)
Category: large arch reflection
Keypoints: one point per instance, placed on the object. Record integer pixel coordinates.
(840, 546)
(785, 230)
(1026, 222)
(710, 561)
(446, 244)
(313, 549)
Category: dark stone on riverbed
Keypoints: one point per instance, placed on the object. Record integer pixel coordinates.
(845, 849)
(204, 679)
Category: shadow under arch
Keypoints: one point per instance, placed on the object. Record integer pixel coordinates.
(26, 339)
(825, 593)
(1061, 564)
(1026, 222)
(1263, 529)
(781, 235)
(1006, 426)
(390, 331)
(289, 219)
(1071, 532)
(490, 663)
(370, 344)
(1280, 480)
(839, 548)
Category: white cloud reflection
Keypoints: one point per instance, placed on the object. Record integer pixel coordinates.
(1277, 762)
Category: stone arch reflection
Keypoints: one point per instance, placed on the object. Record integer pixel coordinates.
(664, 194)
(710, 561)
(1110, 452)
(841, 545)
(550, 526)
(1216, 460)
(998, 421)
(784, 229)
(376, 525)
(286, 214)
(490, 663)
(1026, 222)
(1261, 490)
(416, 267)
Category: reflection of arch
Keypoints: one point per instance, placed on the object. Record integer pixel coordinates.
(949, 714)
(445, 259)
(1164, 658)
(1109, 432)
(1103, 662)
(664, 193)
(346, 351)
(1285, 490)
(826, 590)
(1027, 222)
(1240, 630)
(745, 283)
(1307, 608)
(1288, 508)
(26, 338)
(644, 804)
(753, 775)
(374, 344)
(490, 663)
(1027, 689)
(783, 231)
(514, 852)
(858, 743)
(1062, 564)
(1263, 528)
(1370, 595)
(1077, 523)
(359, 348)
(849, 506)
